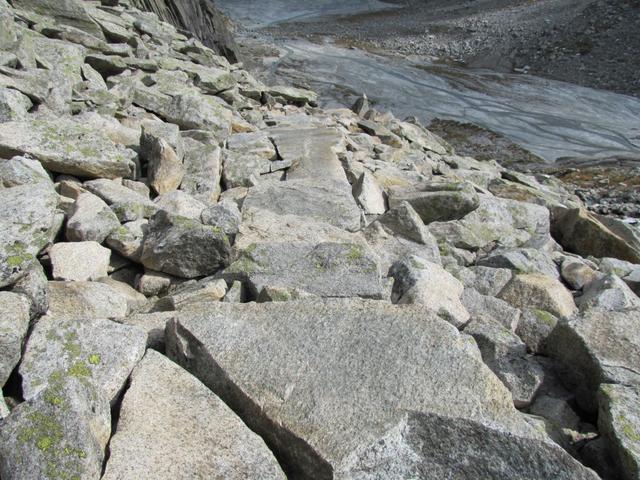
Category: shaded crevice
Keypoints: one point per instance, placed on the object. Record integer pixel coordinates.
(297, 458)
(116, 408)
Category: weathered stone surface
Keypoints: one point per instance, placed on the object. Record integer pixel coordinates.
(224, 215)
(383, 133)
(26, 225)
(127, 239)
(486, 305)
(91, 220)
(206, 439)
(541, 292)
(329, 202)
(100, 352)
(585, 233)
(154, 283)
(60, 433)
(506, 355)
(161, 146)
(576, 273)
(435, 447)
(521, 260)
(292, 94)
(310, 153)
(597, 347)
(184, 247)
(14, 323)
(34, 286)
(85, 300)
(421, 137)
(440, 203)
(180, 203)
(135, 300)
(619, 423)
(200, 112)
(430, 285)
(534, 327)
(127, 204)
(193, 293)
(79, 261)
(486, 280)
(280, 391)
(608, 293)
(508, 223)
(64, 145)
(65, 12)
(22, 171)
(322, 268)
(13, 105)
(203, 167)
(400, 233)
(369, 195)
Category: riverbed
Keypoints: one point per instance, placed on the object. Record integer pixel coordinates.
(554, 120)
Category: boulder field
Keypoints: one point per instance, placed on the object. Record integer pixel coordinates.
(203, 276)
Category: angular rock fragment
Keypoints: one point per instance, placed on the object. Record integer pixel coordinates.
(506, 355)
(184, 247)
(224, 215)
(280, 389)
(79, 261)
(91, 220)
(85, 300)
(508, 223)
(541, 292)
(534, 327)
(26, 225)
(577, 274)
(206, 439)
(292, 94)
(180, 203)
(100, 352)
(200, 112)
(430, 285)
(65, 12)
(485, 305)
(22, 171)
(127, 239)
(202, 165)
(369, 195)
(597, 347)
(329, 202)
(608, 293)
(14, 323)
(34, 286)
(193, 293)
(310, 153)
(522, 260)
(64, 145)
(440, 203)
(60, 433)
(585, 233)
(436, 447)
(161, 146)
(13, 105)
(619, 423)
(380, 131)
(322, 268)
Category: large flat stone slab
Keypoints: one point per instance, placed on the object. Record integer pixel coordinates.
(172, 426)
(322, 380)
(64, 145)
(328, 201)
(101, 352)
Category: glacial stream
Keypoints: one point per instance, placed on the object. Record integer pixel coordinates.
(552, 119)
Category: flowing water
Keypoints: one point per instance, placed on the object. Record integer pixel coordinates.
(552, 119)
